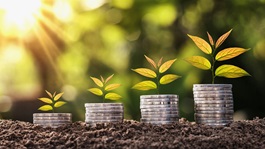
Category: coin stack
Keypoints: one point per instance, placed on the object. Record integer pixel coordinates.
(104, 113)
(52, 119)
(213, 104)
(159, 109)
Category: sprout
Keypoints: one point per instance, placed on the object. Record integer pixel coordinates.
(51, 102)
(104, 89)
(155, 74)
(226, 70)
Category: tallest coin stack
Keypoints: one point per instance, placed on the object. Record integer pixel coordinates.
(213, 104)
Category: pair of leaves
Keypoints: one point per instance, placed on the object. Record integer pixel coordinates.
(225, 54)
(149, 73)
(205, 46)
(148, 85)
(103, 87)
(51, 102)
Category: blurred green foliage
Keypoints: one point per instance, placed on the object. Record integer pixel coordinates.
(82, 38)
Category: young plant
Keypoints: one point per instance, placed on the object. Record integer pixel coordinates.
(225, 70)
(156, 74)
(104, 88)
(52, 102)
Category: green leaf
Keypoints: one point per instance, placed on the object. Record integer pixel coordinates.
(49, 93)
(112, 96)
(145, 85)
(58, 96)
(112, 86)
(107, 80)
(46, 100)
(165, 66)
(150, 61)
(145, 72)
(199, 62)
(46, 108)
(201, 44)
(96, 91)
(97, 81)
(230, 71)
(166, 79)
(222, 39)
(59, 104)
(210, 39)
(229, 53)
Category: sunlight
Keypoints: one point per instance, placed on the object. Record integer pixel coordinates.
(19, 15)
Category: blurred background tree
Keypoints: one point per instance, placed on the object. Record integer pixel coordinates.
(56, 45)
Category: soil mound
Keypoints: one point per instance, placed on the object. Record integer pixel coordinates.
(132, 134)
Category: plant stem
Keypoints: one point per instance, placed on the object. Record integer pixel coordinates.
(213, 64)
(157, 82)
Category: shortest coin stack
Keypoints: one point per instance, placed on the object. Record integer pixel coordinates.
(213, 104)
(159, 109)
(52, 119)
(104, 113)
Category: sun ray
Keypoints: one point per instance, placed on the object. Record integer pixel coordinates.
(47, 46)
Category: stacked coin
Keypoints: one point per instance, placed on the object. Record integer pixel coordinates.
(52, 119)
(104, 113)
(213, 104)
(159, 109)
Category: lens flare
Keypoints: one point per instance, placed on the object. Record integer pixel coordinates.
(19, 15)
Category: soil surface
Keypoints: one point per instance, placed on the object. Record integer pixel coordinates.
(131, 134)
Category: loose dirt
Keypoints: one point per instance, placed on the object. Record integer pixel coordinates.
(131, 134)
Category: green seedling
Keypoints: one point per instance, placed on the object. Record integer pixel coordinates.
(225, 70)
(104, 89)
(156, 74)
(51, 102)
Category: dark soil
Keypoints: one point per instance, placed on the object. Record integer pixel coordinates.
(132, 134)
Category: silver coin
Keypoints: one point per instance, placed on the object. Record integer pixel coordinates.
(167, 109)
(103, 121)
(159, 116)
(158, 96)
(209, 108)
(104, 117)
(212, 98)
(104, 114)
(211, 89)
(52, 115)
(213, 101)
(105, 108)
(212, 95)
(214, 121)
(159, 112)
(52, 121)
(158, 106)
(213, 118)
(160, 100)
(218, 92)
(160, 119)
(213, 115)
(158, 103)
(200, 105)
(158, 122)
(52, 118)
(213, 85)
(104, 111)
(103, 104)
(50, 125)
